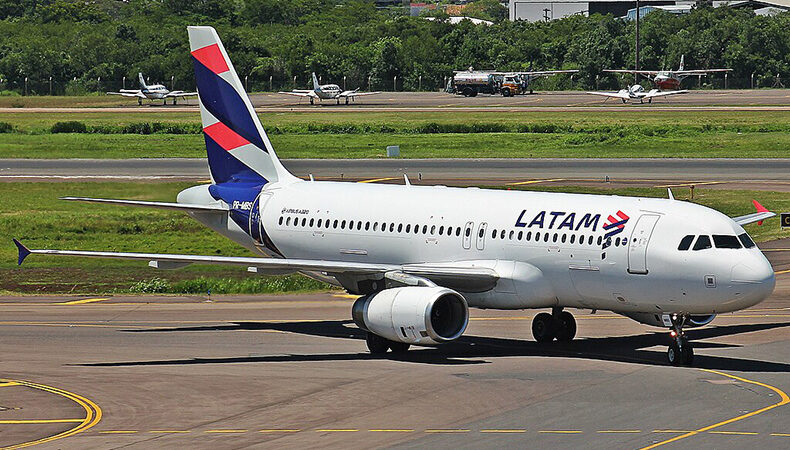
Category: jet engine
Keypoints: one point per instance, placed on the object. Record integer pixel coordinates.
(663, 320)
(421, 315)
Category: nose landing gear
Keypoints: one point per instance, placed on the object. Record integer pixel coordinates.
(559, 325)
(681, 351)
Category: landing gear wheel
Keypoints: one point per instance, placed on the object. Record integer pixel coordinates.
(311, 101)
(566, 327)
(687, 355)
(543, 327)
(399, 347)
(673, 354)
(376, 344)
(139, 102)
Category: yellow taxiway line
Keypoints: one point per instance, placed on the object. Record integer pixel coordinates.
(521, 183)
(378, 179)
(83, 301)
(93, 413)
(785, 399)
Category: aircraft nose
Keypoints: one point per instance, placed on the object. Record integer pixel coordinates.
(757, 274)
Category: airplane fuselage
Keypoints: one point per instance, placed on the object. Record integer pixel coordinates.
(550, 249)
(667, 81)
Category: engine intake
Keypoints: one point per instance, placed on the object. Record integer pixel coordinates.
(419, 315)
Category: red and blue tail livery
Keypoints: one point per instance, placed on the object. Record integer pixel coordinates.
(236, 144)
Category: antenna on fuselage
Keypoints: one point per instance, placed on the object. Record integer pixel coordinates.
(669, 193)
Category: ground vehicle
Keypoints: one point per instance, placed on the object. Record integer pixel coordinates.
(513, 84)
(470, 83)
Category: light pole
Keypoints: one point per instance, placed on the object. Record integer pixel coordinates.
(172, 82)
(344, 82)
(725, 80)
(50, 86)
(394, 83)
(419, 85)
(752, 80)
(270, 83)
(246, 84)
(25, 85)
(636, 60)
(98, 83)
(124, 81)
(369, 85)
(294, 81)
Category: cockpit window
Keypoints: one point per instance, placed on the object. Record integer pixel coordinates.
(702, 243)
(746, 240)
(726, 241)
(685, 243)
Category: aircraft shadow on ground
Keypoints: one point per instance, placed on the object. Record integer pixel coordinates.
(477, 349)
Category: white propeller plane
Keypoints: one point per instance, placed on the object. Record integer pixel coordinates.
(152, 92)
(420, 256)
(637, 92)
(327, 92)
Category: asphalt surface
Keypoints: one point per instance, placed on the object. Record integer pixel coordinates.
(760, 174)
(292, 371)
(760, 99)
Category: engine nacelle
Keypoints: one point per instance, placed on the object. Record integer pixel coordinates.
(421, 315)
(663, 320)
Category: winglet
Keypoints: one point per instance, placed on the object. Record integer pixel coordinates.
(760, 208)
(23, 252)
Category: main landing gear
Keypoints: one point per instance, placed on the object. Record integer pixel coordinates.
(680, 351)
(559, 325)
(379, 345)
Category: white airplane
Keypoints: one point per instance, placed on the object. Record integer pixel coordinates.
(420, 256)
(327, 92)
(637, 92)
(152, 92)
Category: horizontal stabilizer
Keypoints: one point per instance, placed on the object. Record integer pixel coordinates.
(160, 205)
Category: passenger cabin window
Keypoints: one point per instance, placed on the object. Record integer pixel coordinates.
(726, 241)
(703, 242)
(746, 240)
(685, 243)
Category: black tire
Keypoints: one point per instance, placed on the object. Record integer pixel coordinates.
(687, 354)
(377, 345)
(468, 92)
(505, 92)
(566, 329)
(543, 327)
(399, 347)
(673, 354)
(473, 94)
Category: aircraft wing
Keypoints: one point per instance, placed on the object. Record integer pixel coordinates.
(647, 73)
(656, 93)
(621, 95)
(467, 277)
(180, 94)
(137, 94)
(548, 72)
(700, 71)
(761, 214)
(300, 93)
(354, 93)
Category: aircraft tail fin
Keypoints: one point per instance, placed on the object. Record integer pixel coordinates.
(682, 58)
(237, 147)
(140, 78)
(316, 86)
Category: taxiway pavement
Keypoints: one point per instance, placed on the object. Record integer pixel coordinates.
(757, 174)
(292, 371)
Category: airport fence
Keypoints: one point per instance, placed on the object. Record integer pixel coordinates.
(412, 83)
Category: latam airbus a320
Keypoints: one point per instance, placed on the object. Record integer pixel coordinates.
(421, 256)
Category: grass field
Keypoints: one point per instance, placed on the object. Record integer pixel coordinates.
(716, 134)
(32, 213)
